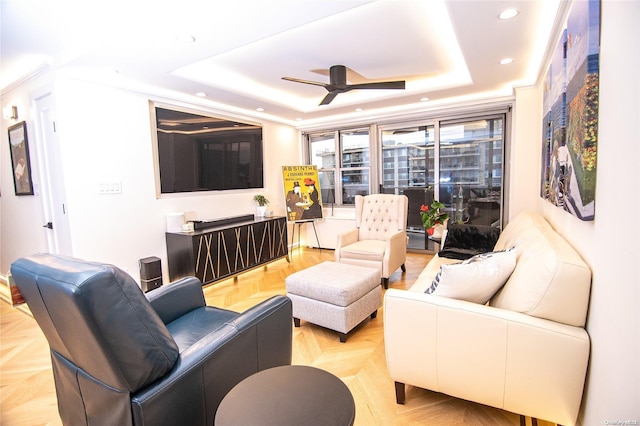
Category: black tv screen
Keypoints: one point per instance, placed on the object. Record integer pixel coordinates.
(203, 153)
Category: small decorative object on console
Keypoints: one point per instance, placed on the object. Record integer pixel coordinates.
(262, 204)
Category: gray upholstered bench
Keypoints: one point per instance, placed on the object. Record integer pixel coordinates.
(337, 296)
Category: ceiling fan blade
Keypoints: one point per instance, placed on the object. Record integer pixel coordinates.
(327, 99)
(297, 80)
(338, 84)
(380, 85)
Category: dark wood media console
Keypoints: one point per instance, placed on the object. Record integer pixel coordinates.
(223, 251)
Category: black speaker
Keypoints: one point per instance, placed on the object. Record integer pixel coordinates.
(150, 273)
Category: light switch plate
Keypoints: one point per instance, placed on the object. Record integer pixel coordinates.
(110, 187)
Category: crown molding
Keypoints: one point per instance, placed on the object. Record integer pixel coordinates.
(34, 73)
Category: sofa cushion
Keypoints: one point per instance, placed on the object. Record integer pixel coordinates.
(476, 279)
(550, 279)
(426, 277)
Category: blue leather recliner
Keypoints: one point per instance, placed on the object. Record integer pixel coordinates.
(126, 358)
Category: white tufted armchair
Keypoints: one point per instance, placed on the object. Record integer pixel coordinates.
(380, 238)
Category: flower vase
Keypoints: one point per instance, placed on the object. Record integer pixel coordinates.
(261, 211)
(438, 229)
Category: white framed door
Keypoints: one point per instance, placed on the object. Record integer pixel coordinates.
(52, 188)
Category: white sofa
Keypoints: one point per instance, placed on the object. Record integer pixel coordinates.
(525, 351)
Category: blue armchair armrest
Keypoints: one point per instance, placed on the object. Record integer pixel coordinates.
(177, 298)
(255, 340)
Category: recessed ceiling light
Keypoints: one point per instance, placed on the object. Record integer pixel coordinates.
(298, 119)
(424, 99)
(358, 109)
(509, 13)
(201, 94)
(259, 109)
(506, 61)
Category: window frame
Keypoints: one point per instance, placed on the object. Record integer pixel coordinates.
(436, 119)
(339, 167)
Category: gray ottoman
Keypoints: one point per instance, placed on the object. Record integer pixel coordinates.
(337, 296)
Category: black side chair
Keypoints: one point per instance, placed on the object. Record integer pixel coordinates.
(122, 358)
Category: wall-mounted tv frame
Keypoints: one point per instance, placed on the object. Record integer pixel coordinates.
(198, 152)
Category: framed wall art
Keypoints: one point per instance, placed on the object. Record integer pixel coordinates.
(302, 193)
(19, 148)
(570, 126)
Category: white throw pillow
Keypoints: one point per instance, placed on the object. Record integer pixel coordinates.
(476, 279)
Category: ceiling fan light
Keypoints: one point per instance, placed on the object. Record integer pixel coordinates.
(508, 14)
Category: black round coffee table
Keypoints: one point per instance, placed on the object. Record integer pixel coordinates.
(288, 395)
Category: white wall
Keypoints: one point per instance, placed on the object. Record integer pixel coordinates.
(105, 135)
(21, 218)
(611, 243)
(525, 152)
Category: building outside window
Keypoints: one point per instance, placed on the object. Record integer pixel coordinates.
(355, 165)
(322, 153)
(351, 167)
(458, 162)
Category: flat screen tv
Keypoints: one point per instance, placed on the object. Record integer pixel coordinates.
(205, 153)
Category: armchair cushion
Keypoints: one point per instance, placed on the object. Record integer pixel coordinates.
(194, 325)
(366, 250)
(378, 216)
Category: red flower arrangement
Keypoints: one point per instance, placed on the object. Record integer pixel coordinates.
(432, 216)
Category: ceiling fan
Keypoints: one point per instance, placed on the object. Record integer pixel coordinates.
(338, 83)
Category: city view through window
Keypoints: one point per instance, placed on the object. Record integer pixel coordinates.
(458, 163)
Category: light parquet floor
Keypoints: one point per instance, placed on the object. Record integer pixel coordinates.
(27, 394)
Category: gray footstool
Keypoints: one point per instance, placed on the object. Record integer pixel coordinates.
(337, 296)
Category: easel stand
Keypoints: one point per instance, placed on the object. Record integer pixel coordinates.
(299, 223)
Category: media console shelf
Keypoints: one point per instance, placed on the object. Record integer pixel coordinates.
(222, 251)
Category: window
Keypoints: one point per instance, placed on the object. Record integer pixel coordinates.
(407, 151)
(355, 165)
(470, 183)
(346, 175)
(458, 162)
(322, 149)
